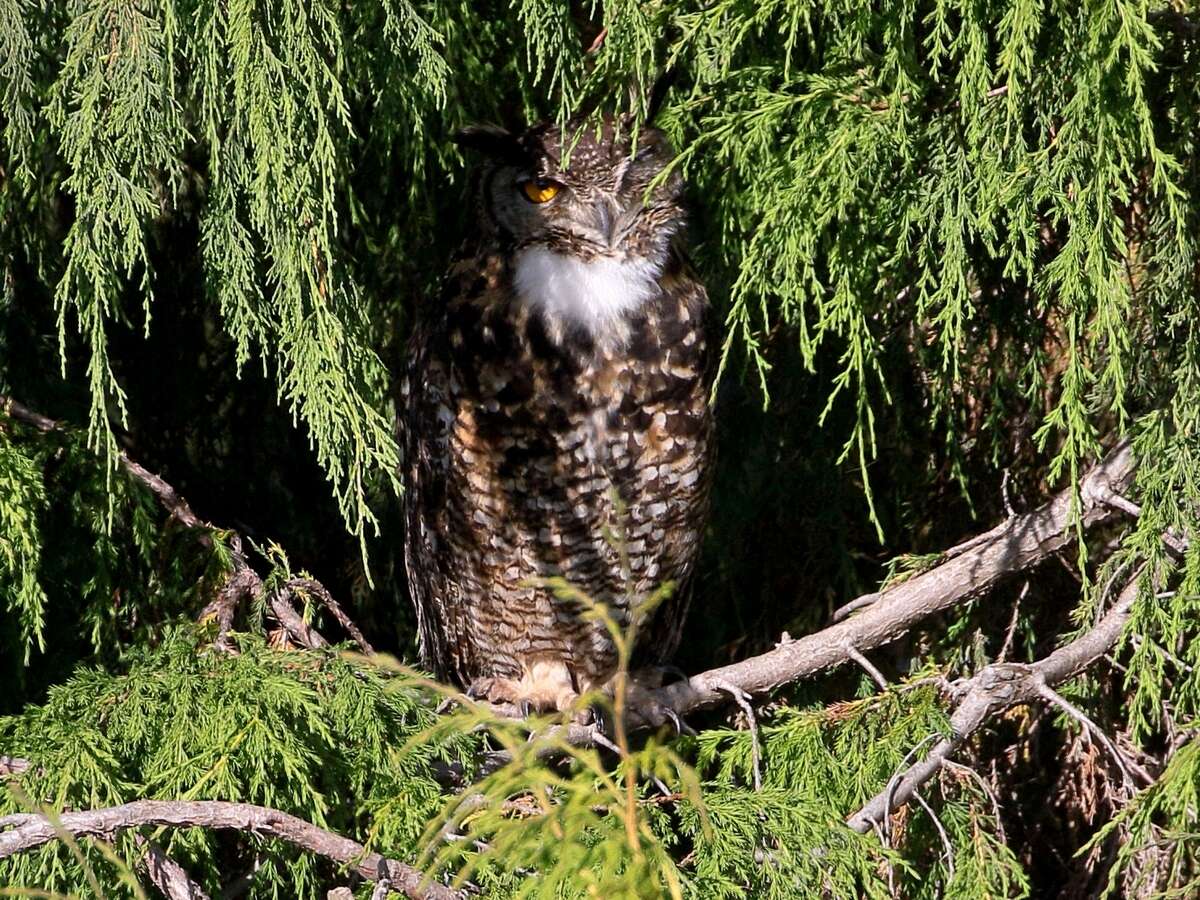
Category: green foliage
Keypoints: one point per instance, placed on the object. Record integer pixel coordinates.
(659, 825)
(296, 732)
(953, 244)
(22, 500)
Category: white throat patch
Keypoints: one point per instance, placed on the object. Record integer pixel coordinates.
(596, 296)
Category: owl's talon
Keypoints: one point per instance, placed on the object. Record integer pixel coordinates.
(599, 717)
(681, 727)
(478, 689)
(526, 707)
(679, 674)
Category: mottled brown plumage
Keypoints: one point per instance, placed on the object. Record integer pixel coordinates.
(558, 419)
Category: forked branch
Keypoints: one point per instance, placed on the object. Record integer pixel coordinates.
(993, 689)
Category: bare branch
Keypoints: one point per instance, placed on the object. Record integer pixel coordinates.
(32, 830)
(998, 687)
(168, 876)
(970, 569)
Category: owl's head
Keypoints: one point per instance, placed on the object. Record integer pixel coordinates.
(579, 191)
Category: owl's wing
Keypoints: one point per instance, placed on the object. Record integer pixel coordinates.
(424, 439)
(691, 426)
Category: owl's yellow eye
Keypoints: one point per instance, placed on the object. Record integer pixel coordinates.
(540, 190)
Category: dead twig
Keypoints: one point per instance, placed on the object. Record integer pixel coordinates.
(743, 700)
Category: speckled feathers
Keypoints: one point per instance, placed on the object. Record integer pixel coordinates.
(557, 421)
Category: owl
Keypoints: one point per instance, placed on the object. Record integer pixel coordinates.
(557, 414)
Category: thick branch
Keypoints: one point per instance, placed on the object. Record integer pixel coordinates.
(970, 569)
(12, 765)
(32, 830)
(994, 689)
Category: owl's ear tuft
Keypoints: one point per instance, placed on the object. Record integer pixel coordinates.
(658, 95)
(492, 140)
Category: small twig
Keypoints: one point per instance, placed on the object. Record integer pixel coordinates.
(894, 781)
(318, 590)
(868, 667)
(1174, 541)
(941, 830)
(1127, 767)
(1011, 631)
(1119, 501)
(597, 42)
(855, 605)
(1005, 495)
(742, 699)
(1137, 641)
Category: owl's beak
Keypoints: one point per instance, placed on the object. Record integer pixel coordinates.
(609, 220)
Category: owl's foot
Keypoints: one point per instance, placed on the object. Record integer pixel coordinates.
(645, 706)
(545, 687)
(642, 708)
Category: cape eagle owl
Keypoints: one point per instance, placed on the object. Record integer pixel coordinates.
(558, 417)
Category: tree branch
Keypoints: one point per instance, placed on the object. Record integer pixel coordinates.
(996, 688)
(969, 569)
(167, 875)
(243, 581)
(31, 830)
(12, 765)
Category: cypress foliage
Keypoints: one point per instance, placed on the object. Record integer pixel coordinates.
(953, 248)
